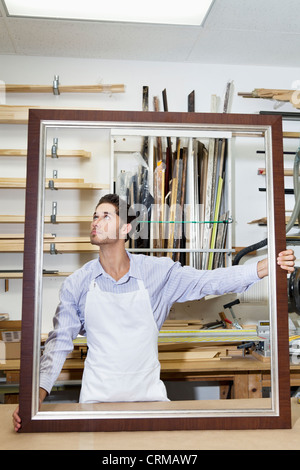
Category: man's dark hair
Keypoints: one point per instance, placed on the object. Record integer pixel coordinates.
(120, 205)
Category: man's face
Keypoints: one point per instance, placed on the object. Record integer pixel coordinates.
(105, 227)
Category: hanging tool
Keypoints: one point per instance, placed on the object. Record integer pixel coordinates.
(213, 325)
(229, 305)
(225, 320)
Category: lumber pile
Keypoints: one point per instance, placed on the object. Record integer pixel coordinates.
(181, 325)
(185, 352)
(186, 215)
(192, 220)
(292, 96)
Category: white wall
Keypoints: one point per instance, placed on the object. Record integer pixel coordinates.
(178, 78)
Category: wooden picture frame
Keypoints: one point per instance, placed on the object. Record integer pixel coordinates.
(279, 416)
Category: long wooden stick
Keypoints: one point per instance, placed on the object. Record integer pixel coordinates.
(19, 275)
(7, 183)
(292, 96)
(63, 219)
(116, 88)
(61, 153)
(286, 171)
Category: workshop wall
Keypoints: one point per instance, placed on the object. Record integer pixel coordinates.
(179, 79)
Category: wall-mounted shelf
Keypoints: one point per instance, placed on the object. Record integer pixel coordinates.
(62, 219)
(19, 275)
(52, 244)
(52, 183)
(14, 243)
(115, 88)
(62, 153)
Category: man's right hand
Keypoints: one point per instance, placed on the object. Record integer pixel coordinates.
(17, 422)
(16, 419)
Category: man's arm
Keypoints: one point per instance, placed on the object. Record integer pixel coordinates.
(17, 422)
(67, 324)
(285, 259)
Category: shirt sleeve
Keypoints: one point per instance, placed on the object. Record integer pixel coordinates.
(66, 327)
(186, 283)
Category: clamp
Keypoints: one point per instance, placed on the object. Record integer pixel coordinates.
(229, 305)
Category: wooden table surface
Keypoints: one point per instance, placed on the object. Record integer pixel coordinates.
(275, 439)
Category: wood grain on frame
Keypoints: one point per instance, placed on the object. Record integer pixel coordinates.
(211, 121)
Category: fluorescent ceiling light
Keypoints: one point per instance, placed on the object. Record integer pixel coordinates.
(184, 12)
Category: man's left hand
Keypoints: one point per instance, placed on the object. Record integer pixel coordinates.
(285, 259)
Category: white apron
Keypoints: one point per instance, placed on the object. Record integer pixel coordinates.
(122, 361)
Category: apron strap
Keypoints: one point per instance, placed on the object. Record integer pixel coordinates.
(141, 284)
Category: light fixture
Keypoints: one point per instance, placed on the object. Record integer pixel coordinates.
(187, 12)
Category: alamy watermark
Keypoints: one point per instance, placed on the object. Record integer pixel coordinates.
(161, 221)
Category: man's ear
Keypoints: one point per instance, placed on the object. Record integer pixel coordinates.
(125, 229)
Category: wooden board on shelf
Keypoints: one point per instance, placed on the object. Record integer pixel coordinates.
(58, 183)
(19, 275)
(115, 88)
(19, 114)
(63, 219)
(59, 244)
(14, 114)
(61, 153)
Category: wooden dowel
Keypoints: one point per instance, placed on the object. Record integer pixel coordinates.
(286, 171)
(63, 219)
(116, 88)
(61, 153)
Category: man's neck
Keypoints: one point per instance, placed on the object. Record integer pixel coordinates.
(114, 260)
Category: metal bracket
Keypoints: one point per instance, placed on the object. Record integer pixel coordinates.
(51, 185)
(51, 182)
(56, 85)
(53, 250)
(54, 148)
(54, 212)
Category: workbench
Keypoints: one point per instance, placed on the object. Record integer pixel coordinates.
(257, 439)
(238, 377)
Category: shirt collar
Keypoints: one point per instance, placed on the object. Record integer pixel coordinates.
(134, 270)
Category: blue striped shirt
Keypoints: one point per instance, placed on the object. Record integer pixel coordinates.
(167, 282)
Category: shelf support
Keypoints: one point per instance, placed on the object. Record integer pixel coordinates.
(56, 85)
(54, 148)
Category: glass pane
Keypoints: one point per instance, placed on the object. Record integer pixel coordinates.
(184, 192)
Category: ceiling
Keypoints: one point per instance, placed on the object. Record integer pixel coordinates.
(246, 32)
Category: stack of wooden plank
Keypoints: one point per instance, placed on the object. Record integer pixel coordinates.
(185, 324)
(191, 218)
(291, 96)
(184, 351)
(195, 352)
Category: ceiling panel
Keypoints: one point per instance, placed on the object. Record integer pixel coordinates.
(6, 44)
(252, 32)
(255, 15)
(101, 40)
(240, 47)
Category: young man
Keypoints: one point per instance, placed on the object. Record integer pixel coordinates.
(120, 301)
